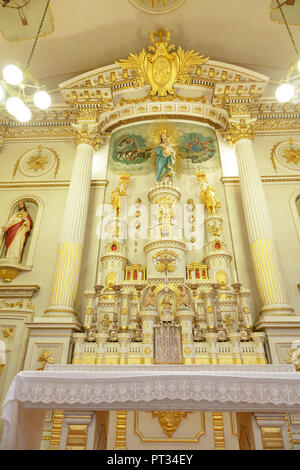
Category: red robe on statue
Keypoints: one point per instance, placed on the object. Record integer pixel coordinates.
(14, 229)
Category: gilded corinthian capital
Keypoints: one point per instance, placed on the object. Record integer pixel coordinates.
(86, 128)
(87, 133)
(240, 129)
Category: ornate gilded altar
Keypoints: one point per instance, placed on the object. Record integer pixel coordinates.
(139, 313)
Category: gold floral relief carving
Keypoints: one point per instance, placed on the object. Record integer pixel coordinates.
(214, 230)
(45, 358)
(7, 332)
(30, 305)
(6, 304)
(106, 322)
(169, 420)
(165, 259)
(228, 322)
(277, 124)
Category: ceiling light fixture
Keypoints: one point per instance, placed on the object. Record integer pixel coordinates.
(287, 89)
(19, 86)
(17, 6)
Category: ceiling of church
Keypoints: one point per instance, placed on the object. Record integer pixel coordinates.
(79, 36)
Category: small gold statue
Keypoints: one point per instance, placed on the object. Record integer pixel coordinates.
(208, 195)
(113, 335)
(118, 192)
(137, 336)
(244, 334)
(222, 334)
(198, 334)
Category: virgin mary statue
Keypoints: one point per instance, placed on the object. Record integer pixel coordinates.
(17, 231)
(165, 157)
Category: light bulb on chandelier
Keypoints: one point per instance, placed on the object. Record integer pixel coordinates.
(23, 114)
(14, 105)
(16, 81)
(285, 92)
(13, 74)
(42, 99)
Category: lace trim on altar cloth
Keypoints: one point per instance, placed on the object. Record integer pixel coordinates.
(238, 388)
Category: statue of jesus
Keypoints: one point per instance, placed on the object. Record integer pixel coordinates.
(16, 233)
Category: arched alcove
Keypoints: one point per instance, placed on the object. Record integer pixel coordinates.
(295, 209)
(35, 207)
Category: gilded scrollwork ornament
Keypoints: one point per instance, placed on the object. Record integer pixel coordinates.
(162, 66)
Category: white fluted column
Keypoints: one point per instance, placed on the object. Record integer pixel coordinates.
(269, 276)
(66, 277)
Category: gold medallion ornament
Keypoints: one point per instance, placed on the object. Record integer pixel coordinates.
(157, 6)
(162, 66)
(37, 162)
(287, 153)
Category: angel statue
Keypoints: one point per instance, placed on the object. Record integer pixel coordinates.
(165, 158)
(16, 233)
(208, 195)
(119, 192)
(185, 298)
(149, 298)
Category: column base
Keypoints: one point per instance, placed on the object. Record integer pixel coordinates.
(276, 310)
(60, 312)
(282, 333)
(51, 337)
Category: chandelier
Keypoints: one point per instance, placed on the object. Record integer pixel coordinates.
(19, 87)
(19, 7)
(286, 90)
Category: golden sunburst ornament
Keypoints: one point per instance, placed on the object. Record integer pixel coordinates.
(157, 6)
(37, 163)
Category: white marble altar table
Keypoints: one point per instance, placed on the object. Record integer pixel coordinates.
(268, 388)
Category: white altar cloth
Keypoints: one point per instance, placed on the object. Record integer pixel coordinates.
(268, 388)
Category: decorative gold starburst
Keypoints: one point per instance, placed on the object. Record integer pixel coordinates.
(38, 162)
(292, 155)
